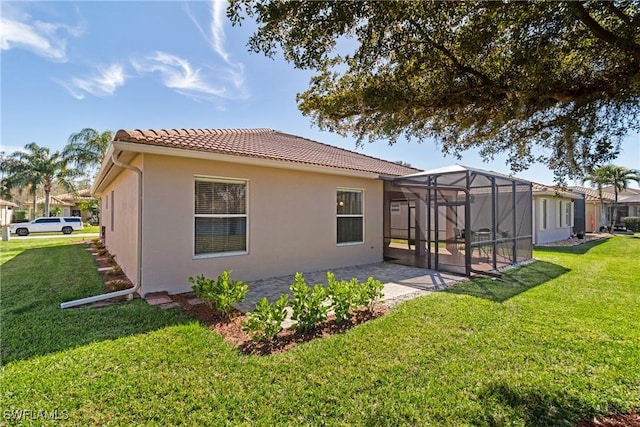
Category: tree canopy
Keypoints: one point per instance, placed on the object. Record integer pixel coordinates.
(37, 166)
(556, 82)
(85, 149)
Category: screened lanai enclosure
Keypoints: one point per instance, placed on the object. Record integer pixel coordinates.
(457, 219)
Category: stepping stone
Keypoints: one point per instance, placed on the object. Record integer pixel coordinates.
(159, 300)
(195, 301)
(169, 305)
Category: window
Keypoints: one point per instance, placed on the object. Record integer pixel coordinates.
(568, 214)
(113, 208)
(220, 216)
(560, 214)
(350, 216)
(395, 208)
(47, 220)
(543, 215)
(76, 220)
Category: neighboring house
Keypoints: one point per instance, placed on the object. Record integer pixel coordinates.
(595, 211)
(69, 203)
(6, 212)
(178, 203)
(628, 203)
(553, 213)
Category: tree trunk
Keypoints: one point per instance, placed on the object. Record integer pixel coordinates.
(47, 197)
(615, 209)
(35, 205)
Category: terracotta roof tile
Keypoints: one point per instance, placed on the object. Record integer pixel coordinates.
(592, 194)
(264, 144)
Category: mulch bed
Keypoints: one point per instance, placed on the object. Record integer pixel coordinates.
(231, 329)
(114, 278)
(631, 419)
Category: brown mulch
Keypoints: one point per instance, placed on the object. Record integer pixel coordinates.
(231, 329)
(113, 280)
(631, 419)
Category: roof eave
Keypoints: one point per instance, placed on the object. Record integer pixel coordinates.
(257, 161)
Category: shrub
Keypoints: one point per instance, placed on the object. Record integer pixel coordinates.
(265, 322)
(118, 285)
(344, 296)
(221, 293)
(632, 223)
(309, 308)
(115, 270)
(369, 292)
(20, 216)
(111, 257)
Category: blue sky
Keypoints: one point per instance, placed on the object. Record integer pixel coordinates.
(157, 64)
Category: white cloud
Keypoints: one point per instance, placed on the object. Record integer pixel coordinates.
(178, 74)
(103, 83)
(46, 39)
(233, 72)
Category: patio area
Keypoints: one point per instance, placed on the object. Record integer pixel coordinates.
(401, 282)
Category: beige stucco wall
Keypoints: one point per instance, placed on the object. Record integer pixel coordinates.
(292, 222)
(122, 206)
(554, 231)
(593, 213)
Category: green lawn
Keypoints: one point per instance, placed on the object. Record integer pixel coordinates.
(557, 342)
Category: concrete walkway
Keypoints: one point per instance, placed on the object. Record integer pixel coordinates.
(400, 282)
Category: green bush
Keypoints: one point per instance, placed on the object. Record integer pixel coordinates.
(265, 322)
(369, 292)
(309, 308)
(20, 216)
(222, 293)
(344, 296)
(632, 223)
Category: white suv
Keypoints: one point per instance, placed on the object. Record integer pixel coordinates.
(65, 224)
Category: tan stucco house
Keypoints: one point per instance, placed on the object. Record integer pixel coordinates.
(553, 213)
(70, 203)
(595, 209)
(177, 203)
(6, 211)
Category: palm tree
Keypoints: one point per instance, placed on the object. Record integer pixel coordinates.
(598, 179)
(619, 177)
(85, 149)
(35, 167)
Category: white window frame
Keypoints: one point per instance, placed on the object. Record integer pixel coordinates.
(245, 215)
(561, 214)
(568, 214)
(544, 214)
(362, 215)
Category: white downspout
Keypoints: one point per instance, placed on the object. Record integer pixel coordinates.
(124, 292)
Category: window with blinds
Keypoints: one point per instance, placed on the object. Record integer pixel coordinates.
(220, 215)
(350, 216)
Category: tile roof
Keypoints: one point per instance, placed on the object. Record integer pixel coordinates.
(7, 203)
(263, 144)
(592, 193)
(562, 191)
(68, 199)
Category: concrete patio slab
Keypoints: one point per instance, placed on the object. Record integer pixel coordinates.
(400, 282)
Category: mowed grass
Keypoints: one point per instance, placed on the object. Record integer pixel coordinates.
(37, 275)
(557, 342)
